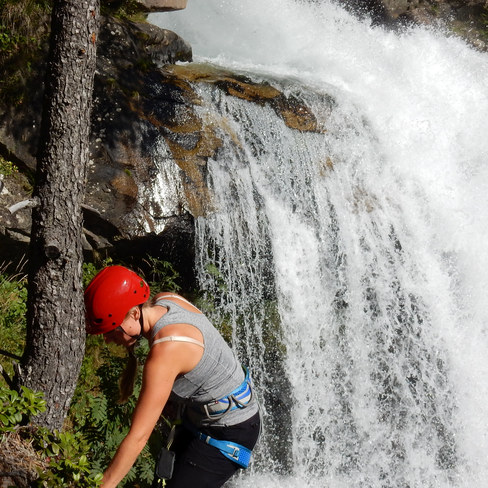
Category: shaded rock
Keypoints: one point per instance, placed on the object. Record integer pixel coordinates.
(14, 227)
(126, 52)
(375, 9)
(465, 18)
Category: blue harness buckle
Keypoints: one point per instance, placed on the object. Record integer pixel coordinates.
(235, 452)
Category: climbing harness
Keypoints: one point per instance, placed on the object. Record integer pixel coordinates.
(231, 450)
(241, 397)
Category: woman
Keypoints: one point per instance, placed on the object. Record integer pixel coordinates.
(189, 360)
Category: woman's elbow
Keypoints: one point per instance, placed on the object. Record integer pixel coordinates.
(138, 439)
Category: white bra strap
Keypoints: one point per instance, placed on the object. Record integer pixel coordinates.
(179, 297)
(179, 339)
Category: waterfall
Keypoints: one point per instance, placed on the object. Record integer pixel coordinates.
(349, 264)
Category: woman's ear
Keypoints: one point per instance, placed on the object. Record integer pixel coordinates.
(135, 313)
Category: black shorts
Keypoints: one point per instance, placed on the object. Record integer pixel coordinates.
(199, 465)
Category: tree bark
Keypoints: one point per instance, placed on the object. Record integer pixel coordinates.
(55, 318)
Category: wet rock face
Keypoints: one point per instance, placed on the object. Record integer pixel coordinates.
(463, 17)
(150, 130)
(149, 145)
(423, 10)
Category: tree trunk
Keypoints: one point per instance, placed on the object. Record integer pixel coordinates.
(55, 318)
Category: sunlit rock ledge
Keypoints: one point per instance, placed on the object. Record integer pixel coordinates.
(162, 5)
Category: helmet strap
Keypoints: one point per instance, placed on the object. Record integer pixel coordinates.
(141, 323)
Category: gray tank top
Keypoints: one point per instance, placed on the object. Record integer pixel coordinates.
(217, 374)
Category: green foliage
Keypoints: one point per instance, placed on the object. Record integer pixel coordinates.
(66, 460)
(95, 411)
(91, 269)
(20, 20)
(23, 31)
(97, 423)
(18, 408)
(101, 418)
(63, 455)
(9, 41)
(145, 64)
(484, 25)
(216, 275)
(123, 9)
(162, 276)
(13, 298)
(7, 168)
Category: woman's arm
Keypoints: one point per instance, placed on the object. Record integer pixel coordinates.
(160, 371)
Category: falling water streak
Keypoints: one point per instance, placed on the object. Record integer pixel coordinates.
(363, 240)
(353, 320)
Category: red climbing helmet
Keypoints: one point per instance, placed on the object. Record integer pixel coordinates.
(110, 295)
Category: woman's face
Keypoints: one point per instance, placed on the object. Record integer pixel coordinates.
(122, 334)
(116, 336)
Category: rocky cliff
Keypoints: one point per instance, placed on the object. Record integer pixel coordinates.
(143, 101)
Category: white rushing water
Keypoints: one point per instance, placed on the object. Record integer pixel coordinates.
(367, 240)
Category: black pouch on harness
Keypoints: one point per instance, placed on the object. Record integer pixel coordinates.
(165, 464)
